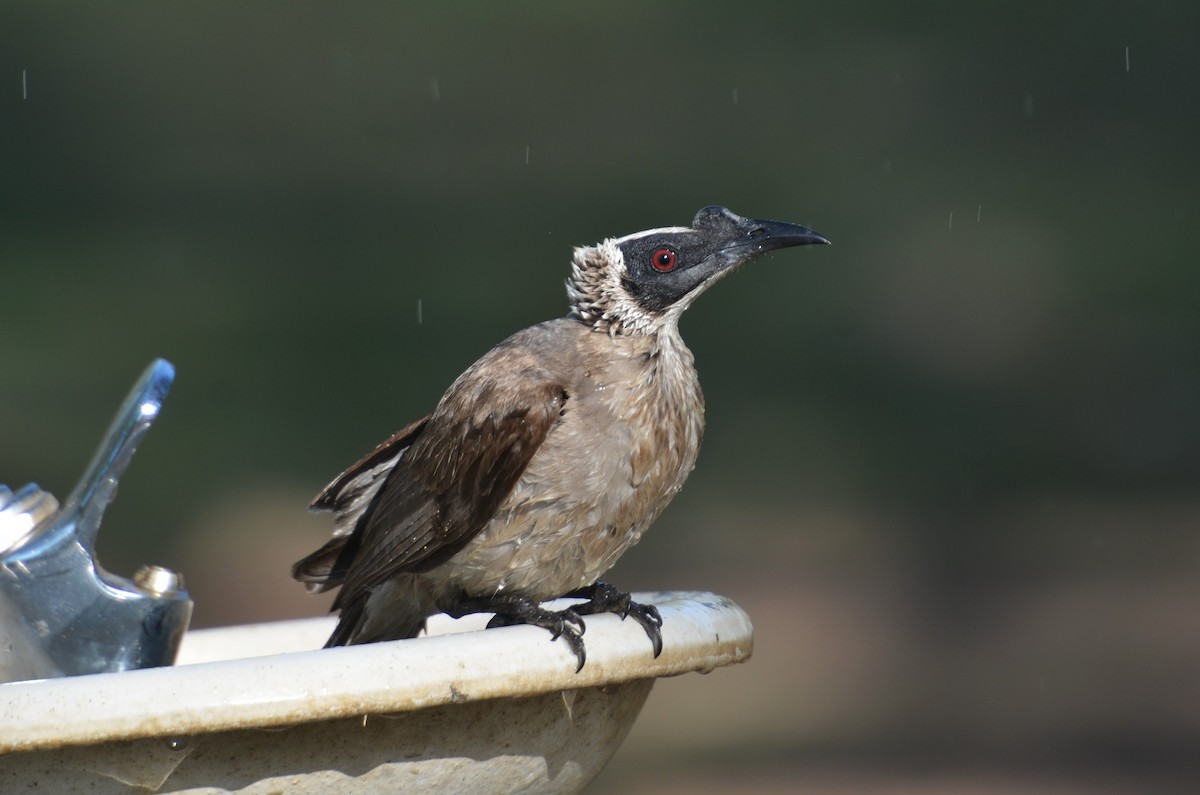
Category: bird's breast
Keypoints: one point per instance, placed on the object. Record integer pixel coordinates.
(624, 445)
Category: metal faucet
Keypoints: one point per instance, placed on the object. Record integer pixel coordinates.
(61, 613)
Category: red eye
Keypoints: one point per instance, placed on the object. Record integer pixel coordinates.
(664, 260)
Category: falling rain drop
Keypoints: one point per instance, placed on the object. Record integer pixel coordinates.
(434, 90)
(735, 95)
(24, 84)
(1028, 104)
(526, 154)
(419, 318)
(951, 220)
(978, 213)
(1126, 58)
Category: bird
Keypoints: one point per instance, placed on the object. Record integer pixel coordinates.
(546, 459)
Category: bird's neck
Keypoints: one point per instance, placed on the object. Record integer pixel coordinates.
(668, 380)
(670, 400)
(649, 384)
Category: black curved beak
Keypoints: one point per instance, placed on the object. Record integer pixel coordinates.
(757, 237)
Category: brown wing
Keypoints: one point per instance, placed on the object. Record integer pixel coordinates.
(349, 495)
(334, 496)
(453, 477)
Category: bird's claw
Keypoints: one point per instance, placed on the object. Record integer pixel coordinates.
(568, 623)
(603, 597)
(511, 611)
(651, 621)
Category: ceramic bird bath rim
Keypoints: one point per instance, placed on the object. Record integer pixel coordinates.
(255, 676)
(261, 708)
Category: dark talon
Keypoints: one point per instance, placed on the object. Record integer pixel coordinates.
(650, 619)
(513, 610)
(568, 623)
(575, 641)
(605, 598)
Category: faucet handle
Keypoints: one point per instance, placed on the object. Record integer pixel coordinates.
(61, 613)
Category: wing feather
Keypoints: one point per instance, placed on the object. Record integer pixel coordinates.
(459, 465)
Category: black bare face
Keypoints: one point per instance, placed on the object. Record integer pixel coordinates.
(664, 265)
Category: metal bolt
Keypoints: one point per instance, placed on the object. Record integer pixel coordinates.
(157, 580)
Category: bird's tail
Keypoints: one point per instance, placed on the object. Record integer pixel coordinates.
(394, 610)
(326, 568)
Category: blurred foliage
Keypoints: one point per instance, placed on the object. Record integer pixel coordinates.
(322, 213)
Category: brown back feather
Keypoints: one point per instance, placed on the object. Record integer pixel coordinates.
(326, 568)
(450, 483)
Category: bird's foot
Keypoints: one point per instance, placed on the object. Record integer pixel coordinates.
(512, 610)
(605, 598)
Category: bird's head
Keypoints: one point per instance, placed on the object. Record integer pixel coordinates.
(641, 283)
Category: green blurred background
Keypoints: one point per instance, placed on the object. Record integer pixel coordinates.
(951, 461)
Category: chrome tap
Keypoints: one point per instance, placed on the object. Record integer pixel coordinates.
(61, 613)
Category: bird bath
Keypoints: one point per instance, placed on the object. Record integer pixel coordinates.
(260, 709)
(90, 702)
